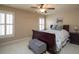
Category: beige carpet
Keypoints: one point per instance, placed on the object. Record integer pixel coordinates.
(21, 47)
(70, 49)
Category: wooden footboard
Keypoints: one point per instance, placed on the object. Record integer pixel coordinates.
(48, 38)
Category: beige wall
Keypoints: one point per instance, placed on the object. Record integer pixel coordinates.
(69, 17)
(25, 21)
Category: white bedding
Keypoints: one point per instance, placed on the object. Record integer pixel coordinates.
(61, 37)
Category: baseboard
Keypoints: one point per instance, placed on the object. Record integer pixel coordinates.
(14, 41)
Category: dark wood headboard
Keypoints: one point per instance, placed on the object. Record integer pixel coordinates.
(66, 27)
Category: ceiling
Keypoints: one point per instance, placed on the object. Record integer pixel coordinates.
(58, 7)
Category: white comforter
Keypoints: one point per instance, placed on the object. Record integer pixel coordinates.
(61, 36)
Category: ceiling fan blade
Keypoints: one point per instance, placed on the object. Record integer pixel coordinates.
(50, 8)
(34, 7)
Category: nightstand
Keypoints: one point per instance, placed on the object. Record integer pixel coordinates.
(74, 38)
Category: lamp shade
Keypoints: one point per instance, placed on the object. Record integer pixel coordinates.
(76, 28)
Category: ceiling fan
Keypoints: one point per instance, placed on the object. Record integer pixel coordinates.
(42, 8)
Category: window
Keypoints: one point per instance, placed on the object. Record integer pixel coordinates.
(6, 24)
(41, 23)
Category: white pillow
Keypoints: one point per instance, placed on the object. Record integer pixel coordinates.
(58, 27)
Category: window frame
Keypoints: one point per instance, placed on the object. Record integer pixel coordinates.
(40, 25)
(13, 25)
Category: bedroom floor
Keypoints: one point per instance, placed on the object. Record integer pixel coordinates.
(21, 47)
(70, 49)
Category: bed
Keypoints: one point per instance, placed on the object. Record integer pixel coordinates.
(54, 45)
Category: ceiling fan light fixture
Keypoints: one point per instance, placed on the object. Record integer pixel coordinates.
(42, 10)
